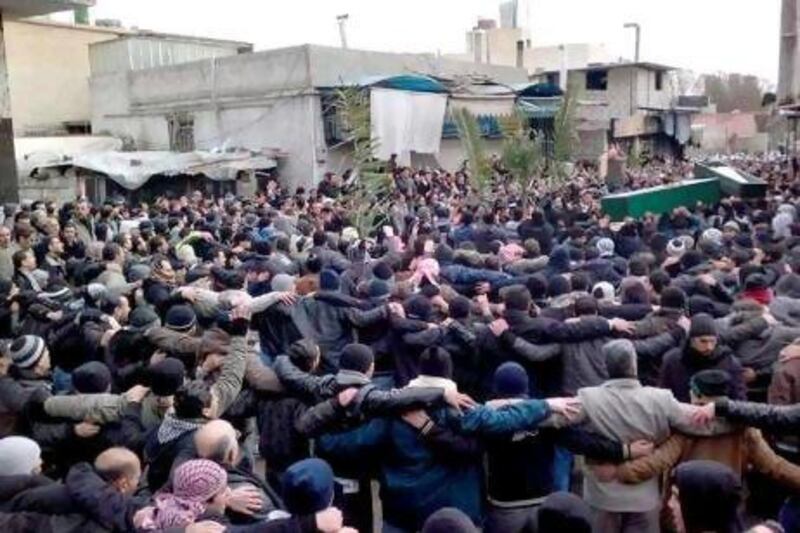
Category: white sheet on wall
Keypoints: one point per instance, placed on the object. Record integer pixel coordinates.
(404, 121)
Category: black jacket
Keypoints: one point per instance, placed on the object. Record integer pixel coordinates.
(680, 364)
(329, 317)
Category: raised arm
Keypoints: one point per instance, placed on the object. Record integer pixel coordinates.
(229, 382)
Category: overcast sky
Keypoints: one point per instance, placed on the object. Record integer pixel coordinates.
(702, 35)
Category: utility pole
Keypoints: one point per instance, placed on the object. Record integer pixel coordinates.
(342, 20)
(638, 29)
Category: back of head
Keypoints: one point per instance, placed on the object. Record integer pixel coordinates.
(93, 377)
(303, 354)
(673, 298)
(216, 441)
(191, 399)
(308, 487)
(585, 306)
(620, 356)
(435, 361)
(516, 298)
(116, 463)
(449, 520)
(356, 358)
(562, 512)
(709, 495)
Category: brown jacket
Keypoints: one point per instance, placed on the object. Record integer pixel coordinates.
(785, 386)
(739, 450)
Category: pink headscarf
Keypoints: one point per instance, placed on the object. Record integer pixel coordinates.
(194, 484)
(511, 252)
(428, 269)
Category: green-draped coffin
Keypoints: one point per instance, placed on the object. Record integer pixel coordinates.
(662, 199)
(733, 182)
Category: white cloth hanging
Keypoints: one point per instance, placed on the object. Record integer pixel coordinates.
(403, 122)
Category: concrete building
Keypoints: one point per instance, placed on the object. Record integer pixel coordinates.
(48, 80)
(12, 10)
(512, 44)
(632, 103)
(48, 68)
(276, 100)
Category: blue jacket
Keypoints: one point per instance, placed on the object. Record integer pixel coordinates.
(416, 478)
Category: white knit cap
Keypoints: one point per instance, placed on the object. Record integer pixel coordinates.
(19, 456)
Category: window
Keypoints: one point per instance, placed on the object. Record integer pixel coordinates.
(181, 132)
(597, 80)
(553, 78)
(659, 80)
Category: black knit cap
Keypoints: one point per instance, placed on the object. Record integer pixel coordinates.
(357, 358)
(703, 325)
(166, 376)
(180, 318)
(711, 383)
(418, 307)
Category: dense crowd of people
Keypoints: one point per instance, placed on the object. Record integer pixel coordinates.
(510, 363)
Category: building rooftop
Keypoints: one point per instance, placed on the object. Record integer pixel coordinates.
(30, 8)
(137, 32)
(645, 65)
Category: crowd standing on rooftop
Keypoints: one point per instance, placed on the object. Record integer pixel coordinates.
(510, 361)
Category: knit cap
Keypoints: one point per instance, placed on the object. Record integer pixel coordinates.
(308, 487)
(377, 289)
(180, 318)
(26, 351)
(711, 383)
(510, 381)
(703, 325)
(19, 456)
(418, 307)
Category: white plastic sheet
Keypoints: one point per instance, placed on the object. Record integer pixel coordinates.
(403, 122)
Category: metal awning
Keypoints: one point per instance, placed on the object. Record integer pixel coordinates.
(131, 170)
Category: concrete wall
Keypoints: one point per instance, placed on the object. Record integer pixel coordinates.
(575, 55)
(331, 66)
(48, 68)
